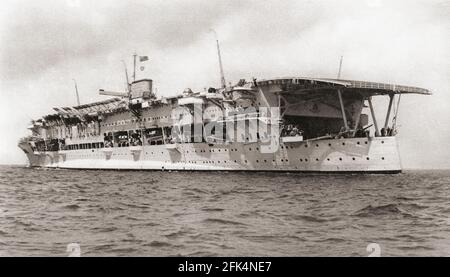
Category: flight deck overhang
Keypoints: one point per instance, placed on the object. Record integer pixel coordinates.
(305, 85)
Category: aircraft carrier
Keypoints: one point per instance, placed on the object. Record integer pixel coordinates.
(282, 124)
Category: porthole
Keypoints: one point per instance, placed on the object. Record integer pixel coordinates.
(343, 143)
(357, 142)
(317, 159)
(328, 159)
(329, 144)
(340, 159)
(382, 141)
(301, 160)
(382, 158)
(353, 158)
(367, 158)
(317, 145)
(306, 160)
(365, 142)
(306, 145)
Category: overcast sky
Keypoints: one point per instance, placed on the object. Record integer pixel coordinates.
(46, 44)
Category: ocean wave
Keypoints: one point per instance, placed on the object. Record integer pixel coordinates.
(177, 234)
(409, 237)
(135, 205)
(158, 243)
(102, 247)
(415, 247)
(308, 218)
(222, 221)
(201, 254)
(332, 240)
(105, 229)
(192, 191)
(206, 209)
(71, 207)
(381, 210)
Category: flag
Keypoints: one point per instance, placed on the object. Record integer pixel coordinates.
(143, 58)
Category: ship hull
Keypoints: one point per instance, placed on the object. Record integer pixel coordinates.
(363, 155)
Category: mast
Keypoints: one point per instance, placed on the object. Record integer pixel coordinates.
(126, 75)
(340, 67)
(222, 76)
(76, 91)
(134, 66)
